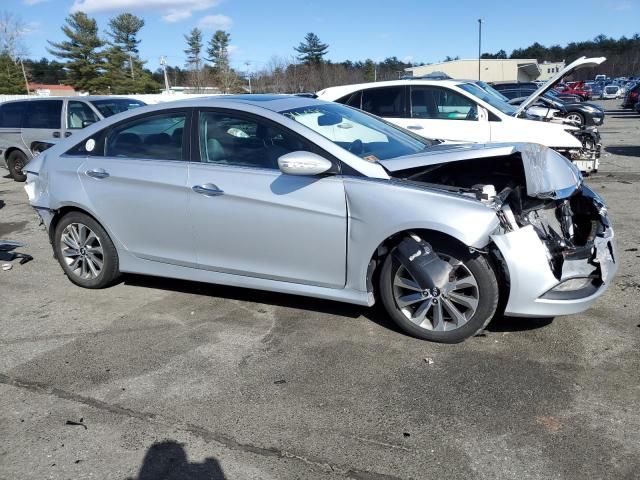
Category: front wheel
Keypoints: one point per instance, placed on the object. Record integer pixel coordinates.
(85, 251)
(459, 310)
(576, 118)
(16, 162)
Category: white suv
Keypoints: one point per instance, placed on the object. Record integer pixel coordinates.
(462, 111)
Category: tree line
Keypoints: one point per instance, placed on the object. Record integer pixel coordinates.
(111, 62)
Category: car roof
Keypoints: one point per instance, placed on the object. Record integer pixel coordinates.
(346, 89)
(74, 97)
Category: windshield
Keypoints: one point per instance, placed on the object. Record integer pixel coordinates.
(112, 106)
(489, 89)
(489, 98)
(362, 134)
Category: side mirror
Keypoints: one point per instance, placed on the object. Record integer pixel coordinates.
(303, 163)
(483, 115)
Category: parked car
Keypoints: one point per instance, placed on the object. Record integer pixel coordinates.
(610, 92)
(298, 195)
(459, 110)
(513, 90)
(632, 96)
(32, 122)
(578, 113)
(576, 88)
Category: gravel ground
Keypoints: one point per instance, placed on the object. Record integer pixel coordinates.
(170, 379)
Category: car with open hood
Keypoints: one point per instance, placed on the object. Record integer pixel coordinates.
(302, 196)
(460, 110)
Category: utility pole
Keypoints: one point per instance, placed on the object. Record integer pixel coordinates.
(375, 72)
(247, 63)
(479, 44)
(24, 74)
(163, 63)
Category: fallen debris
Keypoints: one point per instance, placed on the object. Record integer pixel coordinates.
(428, 361)
(6, 266)
(80, 423)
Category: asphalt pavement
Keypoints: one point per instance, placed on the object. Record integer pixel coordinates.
(157, 378)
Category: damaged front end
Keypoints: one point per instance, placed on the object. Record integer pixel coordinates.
(555, 243)
(587, 157)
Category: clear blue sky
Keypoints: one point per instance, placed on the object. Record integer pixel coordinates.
(414, 30)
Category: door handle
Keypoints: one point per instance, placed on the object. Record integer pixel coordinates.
(208, 189)
(415, 127)
(67, 134)
(56, 134)
(97, 173)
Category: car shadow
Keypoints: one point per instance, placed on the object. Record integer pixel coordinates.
(376, 314)
(503, 323)
(625, 151)
(167, 460)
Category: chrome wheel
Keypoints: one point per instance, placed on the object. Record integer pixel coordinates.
(438, 310)
(574, 117)
(81, 251)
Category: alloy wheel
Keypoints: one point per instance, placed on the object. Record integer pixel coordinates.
(439, 310)
(574, 117)
(82, 251)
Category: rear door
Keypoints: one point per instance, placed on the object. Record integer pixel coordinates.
(135, 178)
(11, 115)
(42, 121)
(439, 112)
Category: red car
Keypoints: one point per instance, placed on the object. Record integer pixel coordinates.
(576, 88)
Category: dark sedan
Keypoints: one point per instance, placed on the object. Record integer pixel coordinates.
(581, 113)
(524, 89)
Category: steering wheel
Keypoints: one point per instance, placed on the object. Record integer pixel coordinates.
(356, 147)
(472, 114)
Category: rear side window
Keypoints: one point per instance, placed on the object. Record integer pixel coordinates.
(353, 99)
(156, 137)
(385, 102)
(43, 114)
(79, 115)
(11, 114)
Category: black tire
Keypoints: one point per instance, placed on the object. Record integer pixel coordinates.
(487, 293)
(16, 162)
(109, 271)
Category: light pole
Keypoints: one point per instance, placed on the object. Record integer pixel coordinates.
(247, 63)
(479, 44)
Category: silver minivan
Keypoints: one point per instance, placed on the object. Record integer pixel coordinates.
(27, 124)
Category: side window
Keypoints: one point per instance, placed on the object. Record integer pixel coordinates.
(384, 102)
(11, 114)
(441, 104)
(157, 137)
(43, 114)
(79, 115)
(229, 139)
(353, 99)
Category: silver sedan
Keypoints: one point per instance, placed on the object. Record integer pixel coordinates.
(297, 195)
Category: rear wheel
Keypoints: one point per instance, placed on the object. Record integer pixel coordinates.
(85, 251)
(16, 162)
(459, 310)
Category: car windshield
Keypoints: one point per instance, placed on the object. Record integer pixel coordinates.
(489, 89)
(489, 98)
(112, 106)
(364, 135)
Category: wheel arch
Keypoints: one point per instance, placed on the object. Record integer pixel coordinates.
(59, 213)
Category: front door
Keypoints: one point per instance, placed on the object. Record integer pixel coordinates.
(441, 113)
(138, 186)
(251, 219)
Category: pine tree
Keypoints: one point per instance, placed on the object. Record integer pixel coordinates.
(125, 70)
(312, 49)
(194, 55)
(11, 80)
(82, 52)
(218, 52)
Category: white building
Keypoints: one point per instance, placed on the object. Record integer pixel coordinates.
(491, 70)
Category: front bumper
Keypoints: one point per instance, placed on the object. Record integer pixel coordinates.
(531, 278)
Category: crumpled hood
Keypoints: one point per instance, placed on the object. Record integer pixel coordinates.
(548, 173)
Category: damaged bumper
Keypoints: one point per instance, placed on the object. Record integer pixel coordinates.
(534, 289)
(586, 158)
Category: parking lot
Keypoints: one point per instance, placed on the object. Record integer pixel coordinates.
(157, 378)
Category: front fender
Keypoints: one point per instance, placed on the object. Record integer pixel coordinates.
(379, 209)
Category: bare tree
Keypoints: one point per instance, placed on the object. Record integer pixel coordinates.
(12, 32)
